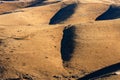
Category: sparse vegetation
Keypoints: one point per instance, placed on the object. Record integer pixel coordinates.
(60, 40)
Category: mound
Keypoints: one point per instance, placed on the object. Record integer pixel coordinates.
(100, 1)
(79, 47)
(8, 7)
(104, 72)
(65, 12)
(34, 52)
(112, 13)
(51, 14)
(96, 45)
(78, 13)
(30, 16)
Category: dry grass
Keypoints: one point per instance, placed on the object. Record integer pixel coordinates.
(31, 49)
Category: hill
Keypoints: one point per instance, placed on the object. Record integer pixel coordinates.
(60, 40)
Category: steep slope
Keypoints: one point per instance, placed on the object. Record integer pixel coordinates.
(94, 46)
(112, 13)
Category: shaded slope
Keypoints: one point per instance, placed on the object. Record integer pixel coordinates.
(67, 43)
(63, 14)
(112, 13)
(102, 72)
(42, 3)
(34, 3)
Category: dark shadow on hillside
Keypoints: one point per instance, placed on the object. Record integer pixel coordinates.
(33, 4)
(67, 43)
(8, 0)
(41, 3)
(11, 12)
(112, 13)
(63, 14)
(104, 72)
(5, 13)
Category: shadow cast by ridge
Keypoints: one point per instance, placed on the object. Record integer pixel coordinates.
(63, 14)
(112, 13)
(33, 4)
(102, 72)
(67, 43)
(42, 3)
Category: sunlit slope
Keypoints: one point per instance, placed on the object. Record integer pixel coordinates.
(9, 7)
(78, 13)
(95, 45)
(34, 51)
(30, 16)
(96, 1)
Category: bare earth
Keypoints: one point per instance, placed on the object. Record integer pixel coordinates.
(60, 40)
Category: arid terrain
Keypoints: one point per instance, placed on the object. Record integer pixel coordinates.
(60, 40)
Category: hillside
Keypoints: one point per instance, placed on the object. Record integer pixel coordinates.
(60, 40)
